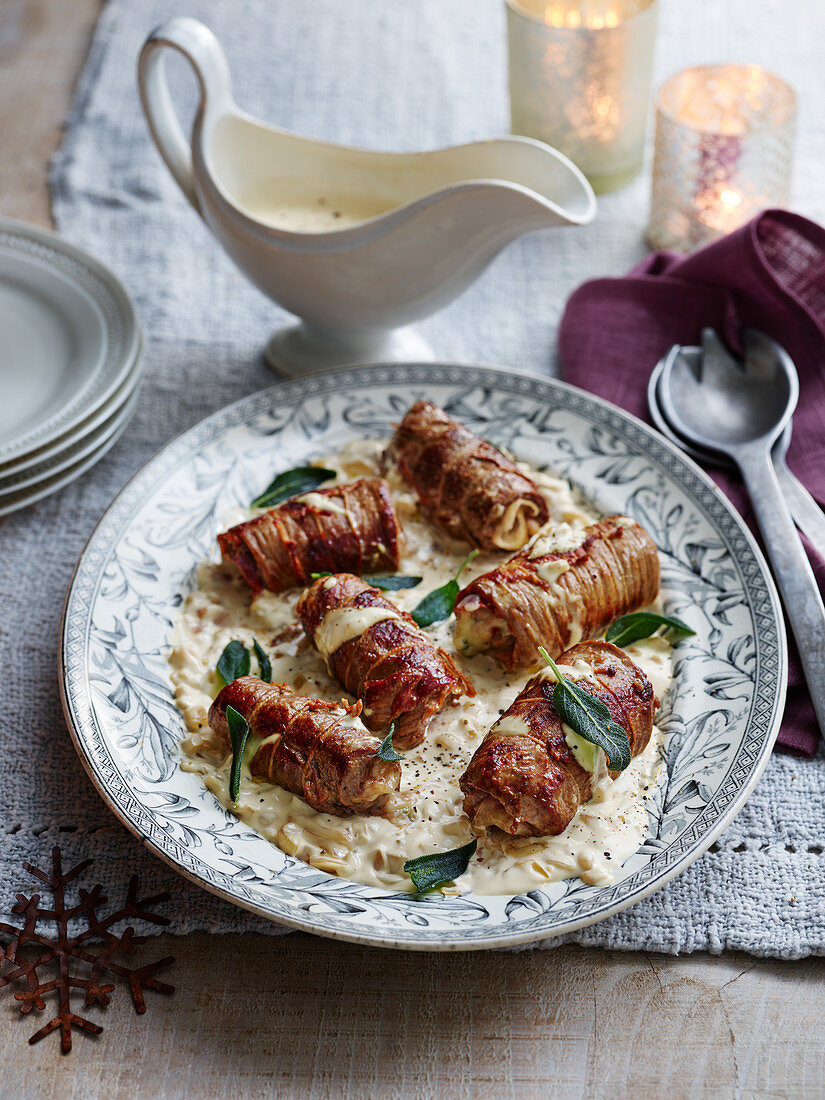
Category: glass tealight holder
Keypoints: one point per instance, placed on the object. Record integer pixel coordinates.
(723, 152)
(580, 80)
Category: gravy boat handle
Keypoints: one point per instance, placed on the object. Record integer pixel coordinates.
(203, 52)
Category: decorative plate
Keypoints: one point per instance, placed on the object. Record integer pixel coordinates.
(41, 458)
(87, 457)
(70, 338)
(720, 719)
(71, 453)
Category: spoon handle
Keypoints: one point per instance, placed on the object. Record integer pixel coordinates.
(810, 518)
(792, 570)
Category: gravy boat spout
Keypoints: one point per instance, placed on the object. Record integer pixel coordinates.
(356, 243)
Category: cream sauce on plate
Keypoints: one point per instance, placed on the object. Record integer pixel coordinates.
(426, 815)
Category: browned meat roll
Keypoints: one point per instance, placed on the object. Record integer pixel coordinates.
(525, 778)
(320, 751)
(554, 596)
(380, 655)
(350, 527)
(463, 483)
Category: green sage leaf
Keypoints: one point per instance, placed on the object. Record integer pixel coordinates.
(427, 872)
(392, 582)
(303, 479)
(386, 751)
(264, 663)
(439, 604)
(234, 662)
(589, 718)
(641, 624)
(238, 733)
(317, 576)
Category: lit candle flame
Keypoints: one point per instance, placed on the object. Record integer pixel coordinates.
(554, 15)
(567, 15)
(730, 198)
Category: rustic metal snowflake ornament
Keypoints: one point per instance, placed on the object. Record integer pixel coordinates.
(30, 949)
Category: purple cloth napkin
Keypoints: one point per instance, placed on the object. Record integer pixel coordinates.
(770, 275)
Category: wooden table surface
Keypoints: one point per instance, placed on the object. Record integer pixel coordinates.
(305, 1017)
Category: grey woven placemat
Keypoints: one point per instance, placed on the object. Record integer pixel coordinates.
(396, 75)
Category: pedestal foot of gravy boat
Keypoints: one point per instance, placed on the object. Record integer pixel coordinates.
(299, 349)
(358, 244)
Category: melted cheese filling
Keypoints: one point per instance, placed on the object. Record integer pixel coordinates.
(426, 815)
(550, 571)
(322, 503)
(561, 538)
(343, 624)
(514, 528)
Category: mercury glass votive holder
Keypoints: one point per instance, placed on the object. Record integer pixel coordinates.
(723, 152)
(580, 80)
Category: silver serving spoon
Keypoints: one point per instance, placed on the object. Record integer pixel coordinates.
(808, 516)
(741, 410)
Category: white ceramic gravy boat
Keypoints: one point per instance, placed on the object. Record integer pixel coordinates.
(415, 229)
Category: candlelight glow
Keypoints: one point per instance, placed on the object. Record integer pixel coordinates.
(724, 135)
(730, 198)
(730, 100)
(595, 15)
(580, 80)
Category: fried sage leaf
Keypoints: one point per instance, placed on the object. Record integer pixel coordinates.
(303, 479)
(392, 582)
(389, 582)
(439, 604)
(386, 750)
(234, 662)
(589, 718)
(238, 733)
(264, 663)
(641, 624)
(427, 872)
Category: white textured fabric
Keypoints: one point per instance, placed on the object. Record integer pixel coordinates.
(387, 74)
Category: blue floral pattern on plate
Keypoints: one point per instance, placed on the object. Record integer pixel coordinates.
(720, 719)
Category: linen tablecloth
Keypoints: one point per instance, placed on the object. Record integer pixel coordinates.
(407, 75)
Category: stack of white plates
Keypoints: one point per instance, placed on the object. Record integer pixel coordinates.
(70, 361)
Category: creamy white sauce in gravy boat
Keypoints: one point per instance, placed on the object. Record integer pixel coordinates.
(286, 204)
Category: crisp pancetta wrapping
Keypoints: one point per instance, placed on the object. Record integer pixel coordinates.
(555, 598)
(319, 751)
(380, 655)
(525, 778)
(464, 484)
(347, 527)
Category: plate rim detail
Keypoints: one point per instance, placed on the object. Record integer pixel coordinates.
(120, 323)
(731, 793)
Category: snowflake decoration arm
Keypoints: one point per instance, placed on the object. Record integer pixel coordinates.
(30, 949)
